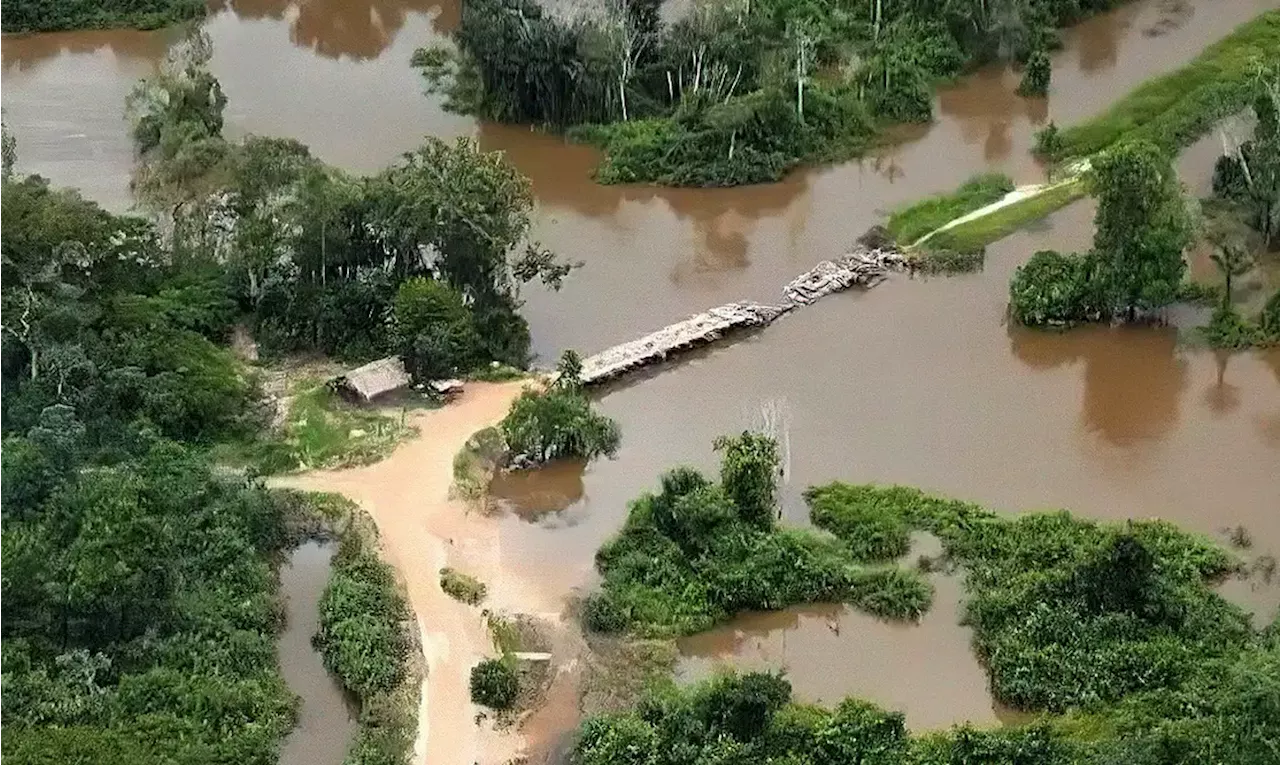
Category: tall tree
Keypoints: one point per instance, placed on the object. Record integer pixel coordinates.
(1142, 227)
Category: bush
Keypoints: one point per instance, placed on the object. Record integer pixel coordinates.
(1228, 330)
(1035, 78)
(558, 424)
(872, 530)
(463, 587)
(361, 638)
(494, 683)
(1051, 289)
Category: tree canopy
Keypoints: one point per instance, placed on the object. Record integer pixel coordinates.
(730, 93)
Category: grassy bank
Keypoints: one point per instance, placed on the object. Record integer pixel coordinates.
(1176, 109)
(365, 637)
(60, 15)
(910, 223)
(973, 235)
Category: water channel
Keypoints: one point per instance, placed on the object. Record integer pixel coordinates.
(918, 381)
(326, 721)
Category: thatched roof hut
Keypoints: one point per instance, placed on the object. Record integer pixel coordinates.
(372, 380)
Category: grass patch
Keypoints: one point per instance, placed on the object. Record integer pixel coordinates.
(910, 223)
(321, 431)
(1176, 109)
(972, 236)
(463, 587)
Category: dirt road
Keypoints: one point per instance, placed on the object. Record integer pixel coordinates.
(422, 529)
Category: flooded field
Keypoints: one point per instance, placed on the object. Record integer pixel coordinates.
(918, 381)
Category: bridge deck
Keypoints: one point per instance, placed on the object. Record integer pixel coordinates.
(862, 266)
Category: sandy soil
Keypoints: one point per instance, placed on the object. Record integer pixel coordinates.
(422, 530)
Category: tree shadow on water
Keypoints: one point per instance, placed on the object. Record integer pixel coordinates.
(1133, 376)
(359, 29)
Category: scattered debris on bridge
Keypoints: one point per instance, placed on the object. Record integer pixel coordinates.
(862, 267)
(690, 333)
(866, 265)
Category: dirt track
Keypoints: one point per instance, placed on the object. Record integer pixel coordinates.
(422, 529)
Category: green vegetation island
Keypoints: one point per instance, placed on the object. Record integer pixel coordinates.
(735, 92)
(1112, 634)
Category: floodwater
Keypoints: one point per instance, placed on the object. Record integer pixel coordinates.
(325, 721)
(918, 381)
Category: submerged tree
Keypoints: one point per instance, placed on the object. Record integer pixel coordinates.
(559, 422)
(1142, 227)
(749, 471)
(1035, 78)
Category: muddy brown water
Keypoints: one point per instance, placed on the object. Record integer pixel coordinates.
(326, 721)
(918, 381)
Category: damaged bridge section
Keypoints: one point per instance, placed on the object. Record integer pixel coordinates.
(862, 267)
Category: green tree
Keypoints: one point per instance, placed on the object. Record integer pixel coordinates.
(469, 207)
(433, 330)
(749, 471)
(1036, 75)
(1142, 227)
(558, 424)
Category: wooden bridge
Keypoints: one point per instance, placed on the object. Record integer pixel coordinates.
(862, 267)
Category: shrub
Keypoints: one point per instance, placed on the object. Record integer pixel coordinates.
(1035, 77)
(748, 473)
(873, 530)
(494, 683)
(558, 424)
(463, 587)
(361, 638)
(1228, 330)
(1051, 288)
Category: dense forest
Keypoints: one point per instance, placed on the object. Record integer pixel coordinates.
(139, 589)
(1112, 632)
(57, 15)
(736, 92)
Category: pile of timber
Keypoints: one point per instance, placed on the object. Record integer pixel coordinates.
(690, 333)
(862, 267)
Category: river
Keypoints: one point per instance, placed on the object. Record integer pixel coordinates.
(918, 381)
